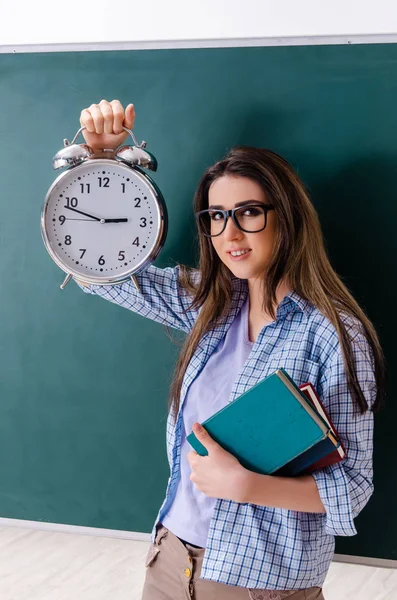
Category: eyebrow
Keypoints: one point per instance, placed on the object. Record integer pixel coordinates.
(243, 203)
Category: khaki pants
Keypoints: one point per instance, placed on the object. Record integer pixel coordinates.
(173, 573)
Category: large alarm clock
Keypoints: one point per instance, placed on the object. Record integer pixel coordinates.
(104, 219)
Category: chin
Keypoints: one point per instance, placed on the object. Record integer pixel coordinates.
(243, 273)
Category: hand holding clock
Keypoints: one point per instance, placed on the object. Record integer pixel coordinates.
(104, 122)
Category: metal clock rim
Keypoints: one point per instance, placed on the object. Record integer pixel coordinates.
(161, 232)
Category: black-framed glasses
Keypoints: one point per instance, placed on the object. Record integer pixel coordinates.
(250, 218)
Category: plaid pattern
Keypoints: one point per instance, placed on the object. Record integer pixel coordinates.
(255, 546)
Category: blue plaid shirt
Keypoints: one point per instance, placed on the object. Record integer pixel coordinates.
(255, 546)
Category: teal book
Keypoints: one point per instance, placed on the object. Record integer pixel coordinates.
(272, 427)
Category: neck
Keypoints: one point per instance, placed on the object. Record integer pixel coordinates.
(255, 288)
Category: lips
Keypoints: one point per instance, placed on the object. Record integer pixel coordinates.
(237, 250)
(238, 257)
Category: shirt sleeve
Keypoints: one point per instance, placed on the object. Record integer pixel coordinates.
(346, 487)
(161, 298)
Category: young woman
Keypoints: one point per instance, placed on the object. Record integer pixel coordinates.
(264, 296)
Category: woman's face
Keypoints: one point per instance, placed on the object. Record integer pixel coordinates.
(226, 192)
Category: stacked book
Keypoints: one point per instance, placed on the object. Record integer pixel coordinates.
(276, 428)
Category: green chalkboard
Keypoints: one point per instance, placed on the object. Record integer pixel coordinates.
(84, 384)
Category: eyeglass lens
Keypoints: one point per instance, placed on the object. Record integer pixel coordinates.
(250, 219)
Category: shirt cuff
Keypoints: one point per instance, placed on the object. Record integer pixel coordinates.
(88, 288)
(333, 488)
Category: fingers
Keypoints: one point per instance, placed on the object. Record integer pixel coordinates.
(129, 116)
(87, 121)
(97, 118)
(118, 116)
(107, 117)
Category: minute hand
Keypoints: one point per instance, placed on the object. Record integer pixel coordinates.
(83, 213)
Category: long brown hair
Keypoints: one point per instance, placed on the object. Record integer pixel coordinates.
(298, 255)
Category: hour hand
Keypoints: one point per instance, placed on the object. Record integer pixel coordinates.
(123, 220)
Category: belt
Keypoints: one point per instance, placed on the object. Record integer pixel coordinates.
(184, 542)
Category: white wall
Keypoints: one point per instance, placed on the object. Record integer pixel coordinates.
(84, 21)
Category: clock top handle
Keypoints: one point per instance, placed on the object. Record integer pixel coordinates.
(129, 131)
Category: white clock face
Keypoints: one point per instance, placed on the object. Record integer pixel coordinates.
(101, 220)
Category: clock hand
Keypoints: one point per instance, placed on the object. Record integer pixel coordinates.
(86, 220)
(82, 213)
(116, 220)
(101, 220)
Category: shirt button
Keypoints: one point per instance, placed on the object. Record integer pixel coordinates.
(188, 572)
(189, 558)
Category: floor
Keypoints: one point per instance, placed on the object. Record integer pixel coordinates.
(46, 565)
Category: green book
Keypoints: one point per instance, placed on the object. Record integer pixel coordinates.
(271, 426)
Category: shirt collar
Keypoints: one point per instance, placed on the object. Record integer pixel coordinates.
(293, 302)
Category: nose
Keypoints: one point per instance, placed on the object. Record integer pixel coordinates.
(231, 231)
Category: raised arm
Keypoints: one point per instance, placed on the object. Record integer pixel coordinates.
(162, 299)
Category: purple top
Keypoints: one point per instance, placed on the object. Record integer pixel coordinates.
(190, 514)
